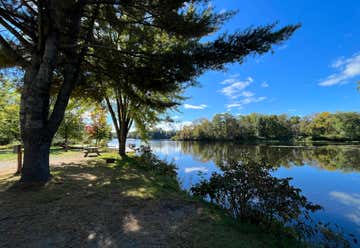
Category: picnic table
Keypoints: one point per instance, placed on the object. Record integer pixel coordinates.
(94, 149)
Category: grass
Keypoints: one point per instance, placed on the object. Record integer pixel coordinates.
(8, 155)
(125, 204)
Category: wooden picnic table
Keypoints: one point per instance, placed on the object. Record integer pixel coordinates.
(94, 149)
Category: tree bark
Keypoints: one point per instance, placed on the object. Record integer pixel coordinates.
(118, 128)
(122, 141)
(38, 127)
(34, 113)
(36, 162)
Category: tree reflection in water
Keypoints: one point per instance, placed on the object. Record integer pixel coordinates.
(330, 157)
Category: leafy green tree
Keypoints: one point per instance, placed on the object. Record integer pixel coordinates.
(346, 125)
(72, 127)
(53, 42)
(98, 130)
(320, 125)
(9, 111)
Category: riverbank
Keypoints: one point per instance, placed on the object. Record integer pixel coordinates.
(126, 204)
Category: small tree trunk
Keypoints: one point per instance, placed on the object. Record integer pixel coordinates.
(122, 142)
(66, 147)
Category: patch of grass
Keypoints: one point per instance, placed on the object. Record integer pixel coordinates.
(10, 156)
(214, 228)
(7, 156)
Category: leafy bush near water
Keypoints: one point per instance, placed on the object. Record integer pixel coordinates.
(157, 165)
(248, 191)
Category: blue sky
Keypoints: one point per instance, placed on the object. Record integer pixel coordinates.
(316, 70)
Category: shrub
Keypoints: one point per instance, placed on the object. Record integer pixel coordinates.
(152, 162)
(248, 191)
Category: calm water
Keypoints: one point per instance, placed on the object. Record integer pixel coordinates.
(328, 175)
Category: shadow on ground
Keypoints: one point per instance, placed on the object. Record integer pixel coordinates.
(92, 204)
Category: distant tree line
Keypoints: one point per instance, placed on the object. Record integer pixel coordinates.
(340, 126)
(154, 133)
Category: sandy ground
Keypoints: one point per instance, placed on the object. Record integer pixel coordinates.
(9, 167)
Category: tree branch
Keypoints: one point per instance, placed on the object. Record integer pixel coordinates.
(10, 52)
(100, 2)
(12, 30)
(28, 30)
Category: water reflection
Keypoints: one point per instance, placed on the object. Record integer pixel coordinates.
(344, 158)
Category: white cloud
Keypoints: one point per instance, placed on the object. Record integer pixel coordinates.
(236, 75)
(247, 94)
(264, 85)
(236, 91)
(193, 169)
(240, 104)
(230, 80)
(200, 107)
(233, 105)
(347, 199)
(352, 200)
(283, 47)
(347, 69)
(236, 87)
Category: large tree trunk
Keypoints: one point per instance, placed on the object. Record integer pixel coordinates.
(34, 113)
(38, 126)
(36, 162)
(35, 135)
(59, 22)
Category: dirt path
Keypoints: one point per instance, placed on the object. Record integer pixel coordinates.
(10, 166)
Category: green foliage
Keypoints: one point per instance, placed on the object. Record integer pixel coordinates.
(9, 112)
(340, 126)
(72, 127)
(159, 166)
(248, 191)
(154, 134)
(98, 130)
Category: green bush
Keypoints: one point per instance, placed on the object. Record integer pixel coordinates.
(152, 162)
(248, 191)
